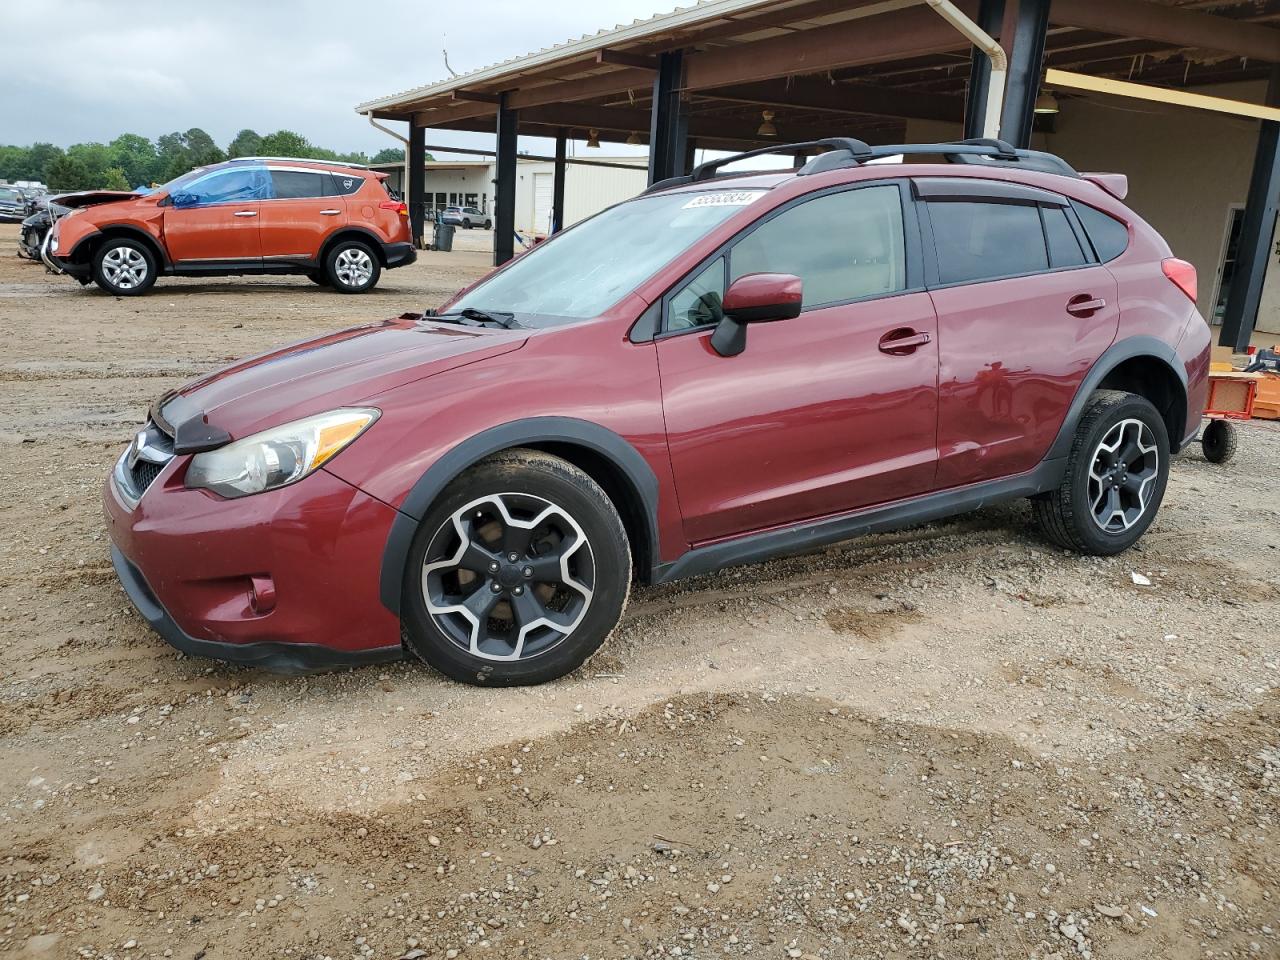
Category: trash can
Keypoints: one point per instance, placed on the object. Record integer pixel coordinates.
(443, 239)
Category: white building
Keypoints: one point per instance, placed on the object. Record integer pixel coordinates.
(591, 184)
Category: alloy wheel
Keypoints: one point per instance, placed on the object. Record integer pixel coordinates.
(1122, 475)
(508, 576)
(353, 266)
(124, 267)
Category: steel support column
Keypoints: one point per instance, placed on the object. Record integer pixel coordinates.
(504, 202)
(668, 119)
(1026, 24)
(990, 16)
(417, 183)
(1256, 231)
(557, 181)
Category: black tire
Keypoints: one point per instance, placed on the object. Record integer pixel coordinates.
(318, 277)
(529, 484)
(488, 224)
(124, 267)
(1218, 440)
(352, 266)
(466, 224)
(1067, 515)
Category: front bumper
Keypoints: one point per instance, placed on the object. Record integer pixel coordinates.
(286, 580)
(57, 265)
(399, 254)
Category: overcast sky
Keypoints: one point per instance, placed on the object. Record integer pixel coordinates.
(83, 70)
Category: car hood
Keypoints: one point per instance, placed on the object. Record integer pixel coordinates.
(92, 198)
(335, 370)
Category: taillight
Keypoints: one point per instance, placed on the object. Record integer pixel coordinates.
(400, 208)
(1183, 276)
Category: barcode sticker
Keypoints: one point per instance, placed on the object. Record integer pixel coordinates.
(725, 198)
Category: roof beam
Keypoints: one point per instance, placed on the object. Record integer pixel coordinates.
(621, 58)
(475, 96)
(1182, 28)
(813, 94)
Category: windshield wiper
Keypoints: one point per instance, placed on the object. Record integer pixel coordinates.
(505, 320)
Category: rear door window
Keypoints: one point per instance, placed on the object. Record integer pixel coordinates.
(979, 240)
(300, 185)
(1109, 236)
(1064, 246)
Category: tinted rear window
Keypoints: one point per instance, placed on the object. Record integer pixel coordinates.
(985, 241)
(294, 184)
(1109, 236)
(1064, 246)
(347, 183)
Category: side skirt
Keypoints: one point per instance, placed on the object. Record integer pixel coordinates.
(803, 537)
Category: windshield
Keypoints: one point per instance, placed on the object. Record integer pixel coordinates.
(181, 181)
(586, 270)
(8, 194)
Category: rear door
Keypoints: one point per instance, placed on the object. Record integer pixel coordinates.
(304, 209)
(214, 221)
(820, 414)
(1024, 311)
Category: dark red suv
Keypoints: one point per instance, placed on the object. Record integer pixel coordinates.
(727, 368)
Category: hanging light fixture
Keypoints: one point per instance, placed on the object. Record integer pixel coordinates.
(767, 129)
(634, 139)
(1046, 103)
(593, 138)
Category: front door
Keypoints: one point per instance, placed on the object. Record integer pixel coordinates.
(216, 218)
(821, 414)
(303, 211)
(1024, 312)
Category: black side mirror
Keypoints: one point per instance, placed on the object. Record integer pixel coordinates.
(755, 298)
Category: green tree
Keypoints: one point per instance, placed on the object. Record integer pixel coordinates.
(96, 157)
(39, 157)
(67, 173)
(246, 144)
(115, 179)
(388, 155)
(136, 158)
(286, 143)
(201, 149)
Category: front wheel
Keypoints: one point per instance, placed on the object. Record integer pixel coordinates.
(352, 267)
(1115, 477)
(519, 572)
(488, 224)
(124, 268)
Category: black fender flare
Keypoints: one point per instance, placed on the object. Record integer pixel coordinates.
(108, 230)
(1112, 357)
(518, 433)
(346, 231)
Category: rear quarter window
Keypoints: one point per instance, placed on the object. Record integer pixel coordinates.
(1109, 236)
(346, 184)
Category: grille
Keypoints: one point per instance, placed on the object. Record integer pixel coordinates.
(143, 474)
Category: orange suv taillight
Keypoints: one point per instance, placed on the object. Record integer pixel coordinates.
(400, 208)
(1183, 275)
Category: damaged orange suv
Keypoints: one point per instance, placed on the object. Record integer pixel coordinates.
(335, 223)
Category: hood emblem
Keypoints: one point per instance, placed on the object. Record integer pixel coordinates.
(135, 449)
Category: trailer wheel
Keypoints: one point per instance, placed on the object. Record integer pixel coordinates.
(1218, 440)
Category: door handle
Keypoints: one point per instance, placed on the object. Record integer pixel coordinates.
(903, 341)
(1085, 305)
(330, 213)
(246, 213)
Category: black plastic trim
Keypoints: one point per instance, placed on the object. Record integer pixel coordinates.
(567, 430)
(1112, 357)
(288, 658)
(398, 254)
(810, 535)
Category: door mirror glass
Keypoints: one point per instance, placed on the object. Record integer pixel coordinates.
(755, 298)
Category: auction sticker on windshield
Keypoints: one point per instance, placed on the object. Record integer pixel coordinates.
(725, 198)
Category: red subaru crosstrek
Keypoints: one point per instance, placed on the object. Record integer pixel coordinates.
(724, 369)
(334, 223)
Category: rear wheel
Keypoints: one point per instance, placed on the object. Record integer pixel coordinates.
(1115, 477)
(518, 574)
(352, 267)
(124, 268)
(488, 224)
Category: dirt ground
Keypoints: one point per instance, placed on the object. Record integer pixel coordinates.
(954, 741)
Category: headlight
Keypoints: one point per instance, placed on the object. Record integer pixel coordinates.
(279, 456)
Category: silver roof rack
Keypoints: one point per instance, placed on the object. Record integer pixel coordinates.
(332, 163)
